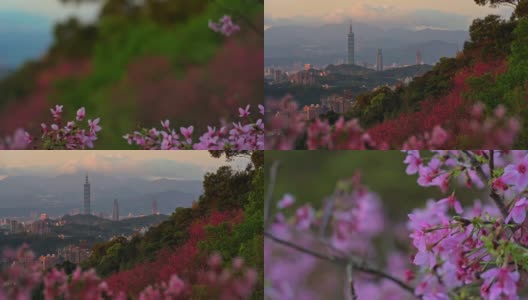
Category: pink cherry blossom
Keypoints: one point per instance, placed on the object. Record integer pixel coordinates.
(286, 201)
(518, 171)
(452, 202)
(500, 283)
(304, 217)
(94, 125)
(57, 111)
(518, 212)
(225, 26)
(244, 112)
(187, 133)
(81, 113)
(413, 162)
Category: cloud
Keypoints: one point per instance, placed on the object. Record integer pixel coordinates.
(383, 16)
(122, 164)
(53, 9)
(386, 15)
(119, 165)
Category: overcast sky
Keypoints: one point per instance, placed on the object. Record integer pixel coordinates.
(52, 9)
(146, 164)
(449, 14)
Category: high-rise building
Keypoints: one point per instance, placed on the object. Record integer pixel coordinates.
(379, 61)
(115, 211)
(155, 207)
(87, 205)
(351, 47)
(419, 60)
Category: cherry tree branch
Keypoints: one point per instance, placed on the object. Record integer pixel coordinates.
(352, 295)
(271, 188)
(493, 193)
(357, 266)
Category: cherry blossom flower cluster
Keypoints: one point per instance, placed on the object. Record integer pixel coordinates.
(345, 225)
(21, 275)
(241, 135)
(69, 135)
(18, 141)
(472, 251)
(287, 128)
(224, 26)
(237, 282)
(484, 245)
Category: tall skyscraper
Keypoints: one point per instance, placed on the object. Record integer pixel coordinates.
(351, 47)
(155, 207)
(115, 211)
(87, 205)
(419, 60)
(379, 61)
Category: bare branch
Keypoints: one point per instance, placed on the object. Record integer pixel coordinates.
(328, 209)
(350, 283)
(271, 188)
(493, 193)
(477, 165)
(360, 267)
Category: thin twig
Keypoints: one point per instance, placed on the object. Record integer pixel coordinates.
(493, 193)
(328, 209)
(477, 165)
(271, 188)
(361, 267)
(350, 283)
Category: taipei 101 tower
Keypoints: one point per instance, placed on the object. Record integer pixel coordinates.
(351, 47)
(87, 205)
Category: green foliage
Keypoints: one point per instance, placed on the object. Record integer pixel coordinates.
(510, 88)
(520, 6)
(225, 189)
(491, 37)
(384, 103)
(19, 83)
(245, 239)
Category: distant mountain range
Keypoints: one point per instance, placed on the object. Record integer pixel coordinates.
(23, 36)
(19, 195)
(328, 43)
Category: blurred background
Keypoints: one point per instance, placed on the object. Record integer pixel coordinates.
(310, 176)
(129, 62)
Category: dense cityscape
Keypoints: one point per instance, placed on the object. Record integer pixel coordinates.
(339, 85)
(42, 226)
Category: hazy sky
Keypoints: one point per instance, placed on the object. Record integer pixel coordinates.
(399, 12)
(52, 9)
(147, 164)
